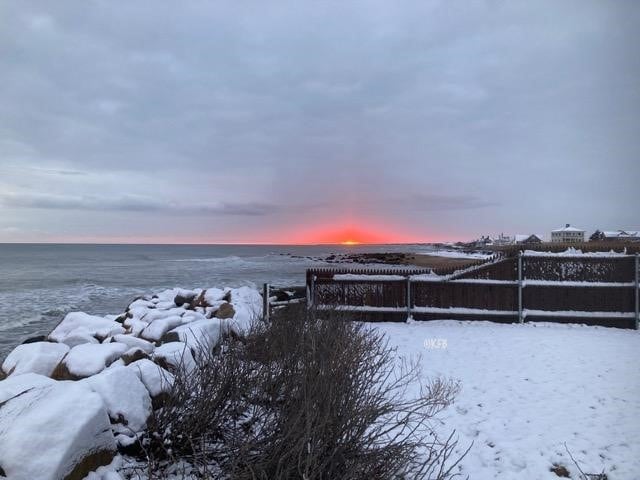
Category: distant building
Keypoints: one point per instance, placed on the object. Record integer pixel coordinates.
(502, 239)
(622, 235)
(528, 239)
(567, 234)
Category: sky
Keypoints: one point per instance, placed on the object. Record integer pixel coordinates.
(305, 122)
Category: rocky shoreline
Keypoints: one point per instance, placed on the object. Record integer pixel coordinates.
(71, 401)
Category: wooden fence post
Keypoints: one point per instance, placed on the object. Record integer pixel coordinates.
(266, 304)
(409, 297)
(637, 290)
(520, 317)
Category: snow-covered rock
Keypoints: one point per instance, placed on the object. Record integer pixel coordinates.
(74, 339)
(156, 329)
(37, 357)
(125, 396)
(79, 323)
(54, 431)
(132, 342)
(17, 384)
(199, 335)
(88, 359)
(247, 303)
(174, 355)
(155, 378)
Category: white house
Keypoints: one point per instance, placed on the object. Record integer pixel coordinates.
(622, 235)
(567, 234)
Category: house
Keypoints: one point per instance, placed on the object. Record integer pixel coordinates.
(529, 238)
(622, 235)
(567, 234)
(502, 239)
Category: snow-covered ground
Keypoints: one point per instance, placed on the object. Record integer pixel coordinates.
(529, 389)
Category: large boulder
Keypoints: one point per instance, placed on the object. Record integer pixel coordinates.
(53, 431)
(156, 379)
(174, 356)
(199, 336)
(18, 384)
(79, 323)
(88, 359)
(225, 310)
(38, 357)
(126, 398)
(134, 342)
(156, 329)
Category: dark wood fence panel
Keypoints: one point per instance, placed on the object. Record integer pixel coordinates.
(591, 269)
(505, 269)
(582, 299)
(597, 290)
(466, 295)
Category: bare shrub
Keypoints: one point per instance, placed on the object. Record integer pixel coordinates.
(309, 397)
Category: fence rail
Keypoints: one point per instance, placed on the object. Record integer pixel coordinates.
(599, 290)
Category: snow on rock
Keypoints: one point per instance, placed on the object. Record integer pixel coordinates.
(37, 357)
(214, 295)
(88, 359)
(132, 342)
(198, 335)
(247, 303)
(174, 355)
(17, 384)
(75, 339)
(125, 396)
(54, 431)
(156, 329)
(155, 378)
(79, 323)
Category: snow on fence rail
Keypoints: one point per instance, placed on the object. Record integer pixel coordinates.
(594, 289)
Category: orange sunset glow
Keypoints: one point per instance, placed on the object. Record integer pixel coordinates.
(349, 235)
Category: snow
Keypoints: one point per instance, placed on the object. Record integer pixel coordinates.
(176, 355)
(125, 396)
(132, 342)
(574, 313)
(37, 357)
(89, 359)
(383, 278)
(17, 384)
(573, 252)
(247, 303)
(553, 283)
(79, 323)
(46, 431)
(156, 329)
(461, 311)
(155, 378)
(200, 334)
(529, 389)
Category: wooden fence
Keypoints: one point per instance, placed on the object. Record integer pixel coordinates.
(601, 289)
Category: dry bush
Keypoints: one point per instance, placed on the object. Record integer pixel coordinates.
(304, 397)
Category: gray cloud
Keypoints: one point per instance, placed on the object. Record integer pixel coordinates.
(129, 203)
(451, 117)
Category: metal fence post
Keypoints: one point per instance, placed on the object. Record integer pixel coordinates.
(637, 290)
(312, 293)
(409, 297)
(520, 317)
(266, 304)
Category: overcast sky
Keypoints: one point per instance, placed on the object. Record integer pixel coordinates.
(298, 121)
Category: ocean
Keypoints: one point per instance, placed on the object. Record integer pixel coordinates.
(41, 283)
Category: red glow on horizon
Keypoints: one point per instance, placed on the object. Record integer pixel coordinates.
(350, 236)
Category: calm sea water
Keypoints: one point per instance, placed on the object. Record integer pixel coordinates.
(39, 284)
